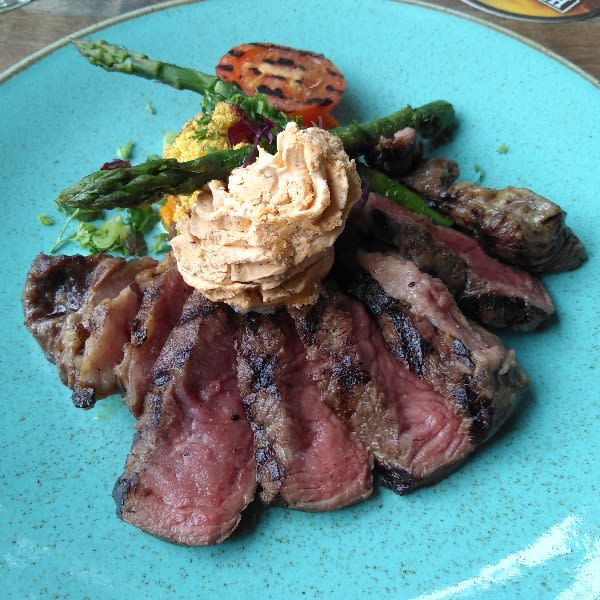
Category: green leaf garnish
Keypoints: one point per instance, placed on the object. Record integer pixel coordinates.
(160, 244)
(45, 219)
(124, 151)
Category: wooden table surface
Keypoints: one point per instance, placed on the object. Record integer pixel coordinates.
(34, 26)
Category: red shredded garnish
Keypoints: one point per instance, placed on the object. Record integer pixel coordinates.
(239, 132)
(116, 163)
(256, 133)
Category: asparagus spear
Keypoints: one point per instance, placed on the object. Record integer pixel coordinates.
(128, 187)
(114, 58)
(121, 60)
(150, 181)
(393, 189)
(432, 121)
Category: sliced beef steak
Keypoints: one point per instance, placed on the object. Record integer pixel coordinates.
(487, 290)
(366, 387)
(306, 456)
(294, 406)
(452, 382)
(513, 224)
(79, 309)
(191, 470)
(160, 310)
(432, 176)
(54, 289)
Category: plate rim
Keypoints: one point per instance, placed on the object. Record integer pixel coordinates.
(36, 56)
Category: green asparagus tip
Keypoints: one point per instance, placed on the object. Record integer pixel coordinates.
(394, 190)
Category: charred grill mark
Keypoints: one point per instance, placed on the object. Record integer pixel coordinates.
(137, 437)
(265, 460)
(383, 227)
(397, 479)
(161, 378)
(471, 402)
(410, 344)
(269, 473)
(138, 334)
(226, 68)
(263, 372)
(319, 101)
(121, 490)
(154, 404)
(349, 374)
(462, 352)
(83, 397)
(237, 53)
(308, 325)
(181, 356)
(284, 48)
(60, 290)
(481, 425)
(252, 323)
(280, 62)
(197, 307)
(365, 288)
(499, 310)
(468, 396)
(189, 313)
(151, 294)
(334, 73)
(460, 397)
(268, 91)
(255, 71)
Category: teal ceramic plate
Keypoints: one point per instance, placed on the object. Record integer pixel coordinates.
(519, 520)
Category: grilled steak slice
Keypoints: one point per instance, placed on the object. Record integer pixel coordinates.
(366, 387)
(79, 308)
(453, 382)
(191, 470)
(160, 310)
(485, 289)
(517, 225)
(54, 289)
(416, 437)
(432, 176)
(306, 457)
(514, 224)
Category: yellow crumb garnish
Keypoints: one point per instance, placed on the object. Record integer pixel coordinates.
(183, 206)
(188, 145)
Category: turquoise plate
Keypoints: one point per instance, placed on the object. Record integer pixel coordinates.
(519, 520)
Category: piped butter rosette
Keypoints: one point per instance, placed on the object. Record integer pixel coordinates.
(265, 237)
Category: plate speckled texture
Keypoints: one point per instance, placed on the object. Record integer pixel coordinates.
(519, 520)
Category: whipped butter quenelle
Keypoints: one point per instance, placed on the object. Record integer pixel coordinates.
(265, 237)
